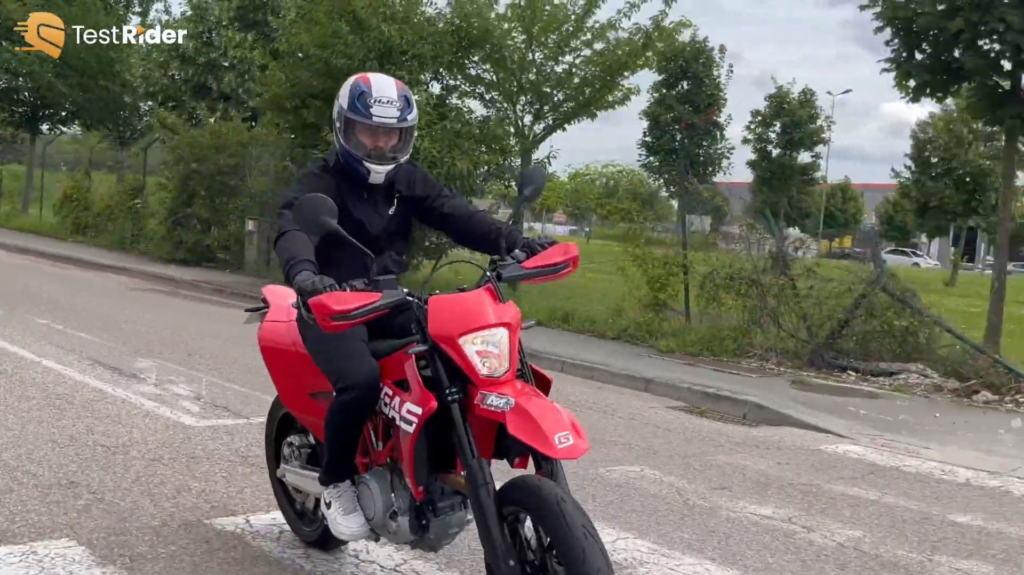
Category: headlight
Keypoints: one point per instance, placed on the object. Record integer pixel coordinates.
(488, 350)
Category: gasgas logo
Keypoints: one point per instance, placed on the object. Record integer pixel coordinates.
(46, 32)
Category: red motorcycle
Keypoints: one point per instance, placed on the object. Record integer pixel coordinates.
(456, 396)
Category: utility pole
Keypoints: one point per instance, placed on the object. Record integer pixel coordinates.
(828, 152)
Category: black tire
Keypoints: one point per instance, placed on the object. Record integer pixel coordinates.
(915, 265)
(561, 519)
(311, 531)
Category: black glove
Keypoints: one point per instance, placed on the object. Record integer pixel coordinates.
(357, 285)
(534, 246)
(309, 285)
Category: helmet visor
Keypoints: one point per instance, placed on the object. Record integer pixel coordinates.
(375, 143)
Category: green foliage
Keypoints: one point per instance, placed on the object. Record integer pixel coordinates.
(204, 203)
(74, 207)
(617, 193)
(684, 141)
(844, 211)
(790, 127)
(951, 176)
(895, 216)
(540, 67)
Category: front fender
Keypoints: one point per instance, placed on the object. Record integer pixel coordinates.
(534, 419)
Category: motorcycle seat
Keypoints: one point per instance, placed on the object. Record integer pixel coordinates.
(381, 348)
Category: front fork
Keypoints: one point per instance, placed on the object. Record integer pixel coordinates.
(483, 493)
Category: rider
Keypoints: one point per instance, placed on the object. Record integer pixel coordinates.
(378, 192)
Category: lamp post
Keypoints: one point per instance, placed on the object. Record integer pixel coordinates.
(828, 152)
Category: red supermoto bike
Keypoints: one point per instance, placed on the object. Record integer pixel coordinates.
(456, 396)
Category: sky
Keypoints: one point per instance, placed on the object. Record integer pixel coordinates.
(824, 44)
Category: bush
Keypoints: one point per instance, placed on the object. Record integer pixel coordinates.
(74, 208)
(122, 214)
(216, 177)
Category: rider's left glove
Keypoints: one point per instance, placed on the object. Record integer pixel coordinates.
(534, 246)
(309, 285)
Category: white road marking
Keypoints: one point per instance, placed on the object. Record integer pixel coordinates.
(203, 378)
(269, 532)
(136, 400)
(930, 468)
(58, 556)
(813, 529)
(808, 527)
(972, 520)
(632, 555)
(635, 556)
(71, 331)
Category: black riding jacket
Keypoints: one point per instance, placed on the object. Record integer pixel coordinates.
(380, 217)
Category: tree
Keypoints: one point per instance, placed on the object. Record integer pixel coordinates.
(895, 216)
(790, 127)
(951, 177)
(618, 193)
(844, 212)
(684, 143)
(34, 94)
(214, 75)
(938, 49)
(541, 67)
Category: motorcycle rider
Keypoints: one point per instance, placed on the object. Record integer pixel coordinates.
(378, 192)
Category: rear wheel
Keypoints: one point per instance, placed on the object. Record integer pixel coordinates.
(288, 442)
(550, 531)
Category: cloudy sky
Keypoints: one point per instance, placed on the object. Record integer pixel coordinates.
(825, 44)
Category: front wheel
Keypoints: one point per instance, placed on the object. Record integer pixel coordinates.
(550, 531)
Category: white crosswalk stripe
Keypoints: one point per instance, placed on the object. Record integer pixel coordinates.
(60, 556)
(930, 468)
(632, 555)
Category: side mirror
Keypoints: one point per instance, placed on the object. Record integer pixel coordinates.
(316, 214)
(533, 180)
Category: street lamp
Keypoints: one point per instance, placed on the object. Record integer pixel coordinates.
(828, 152)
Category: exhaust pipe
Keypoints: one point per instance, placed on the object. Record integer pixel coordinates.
(301, 477)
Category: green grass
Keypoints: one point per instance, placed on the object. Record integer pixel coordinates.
(11, 216)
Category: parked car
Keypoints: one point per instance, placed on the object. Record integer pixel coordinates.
(908, 257)
(1015, 268)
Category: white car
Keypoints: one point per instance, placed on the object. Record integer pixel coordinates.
(908, 257)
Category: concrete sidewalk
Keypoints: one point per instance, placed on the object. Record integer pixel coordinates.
(964, 435)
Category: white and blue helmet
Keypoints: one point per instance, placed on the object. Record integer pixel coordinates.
(384, 105)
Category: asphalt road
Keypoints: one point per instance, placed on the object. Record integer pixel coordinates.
(131, 434)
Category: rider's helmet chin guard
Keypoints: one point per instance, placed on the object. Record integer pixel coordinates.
(375, 120)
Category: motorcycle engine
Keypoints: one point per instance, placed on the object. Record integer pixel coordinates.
(393, 514)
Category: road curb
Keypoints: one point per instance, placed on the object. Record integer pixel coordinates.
(127, 270)
(699, 396)
(721, 401)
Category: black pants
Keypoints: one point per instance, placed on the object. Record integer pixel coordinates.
(346, 361)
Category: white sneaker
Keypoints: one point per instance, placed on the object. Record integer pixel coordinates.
(340, 507)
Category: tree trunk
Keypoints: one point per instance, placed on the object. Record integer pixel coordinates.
(958, 255)
(122, 155)
(1007, 200)
(525, 161)
(686, 262)
(30, 174)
